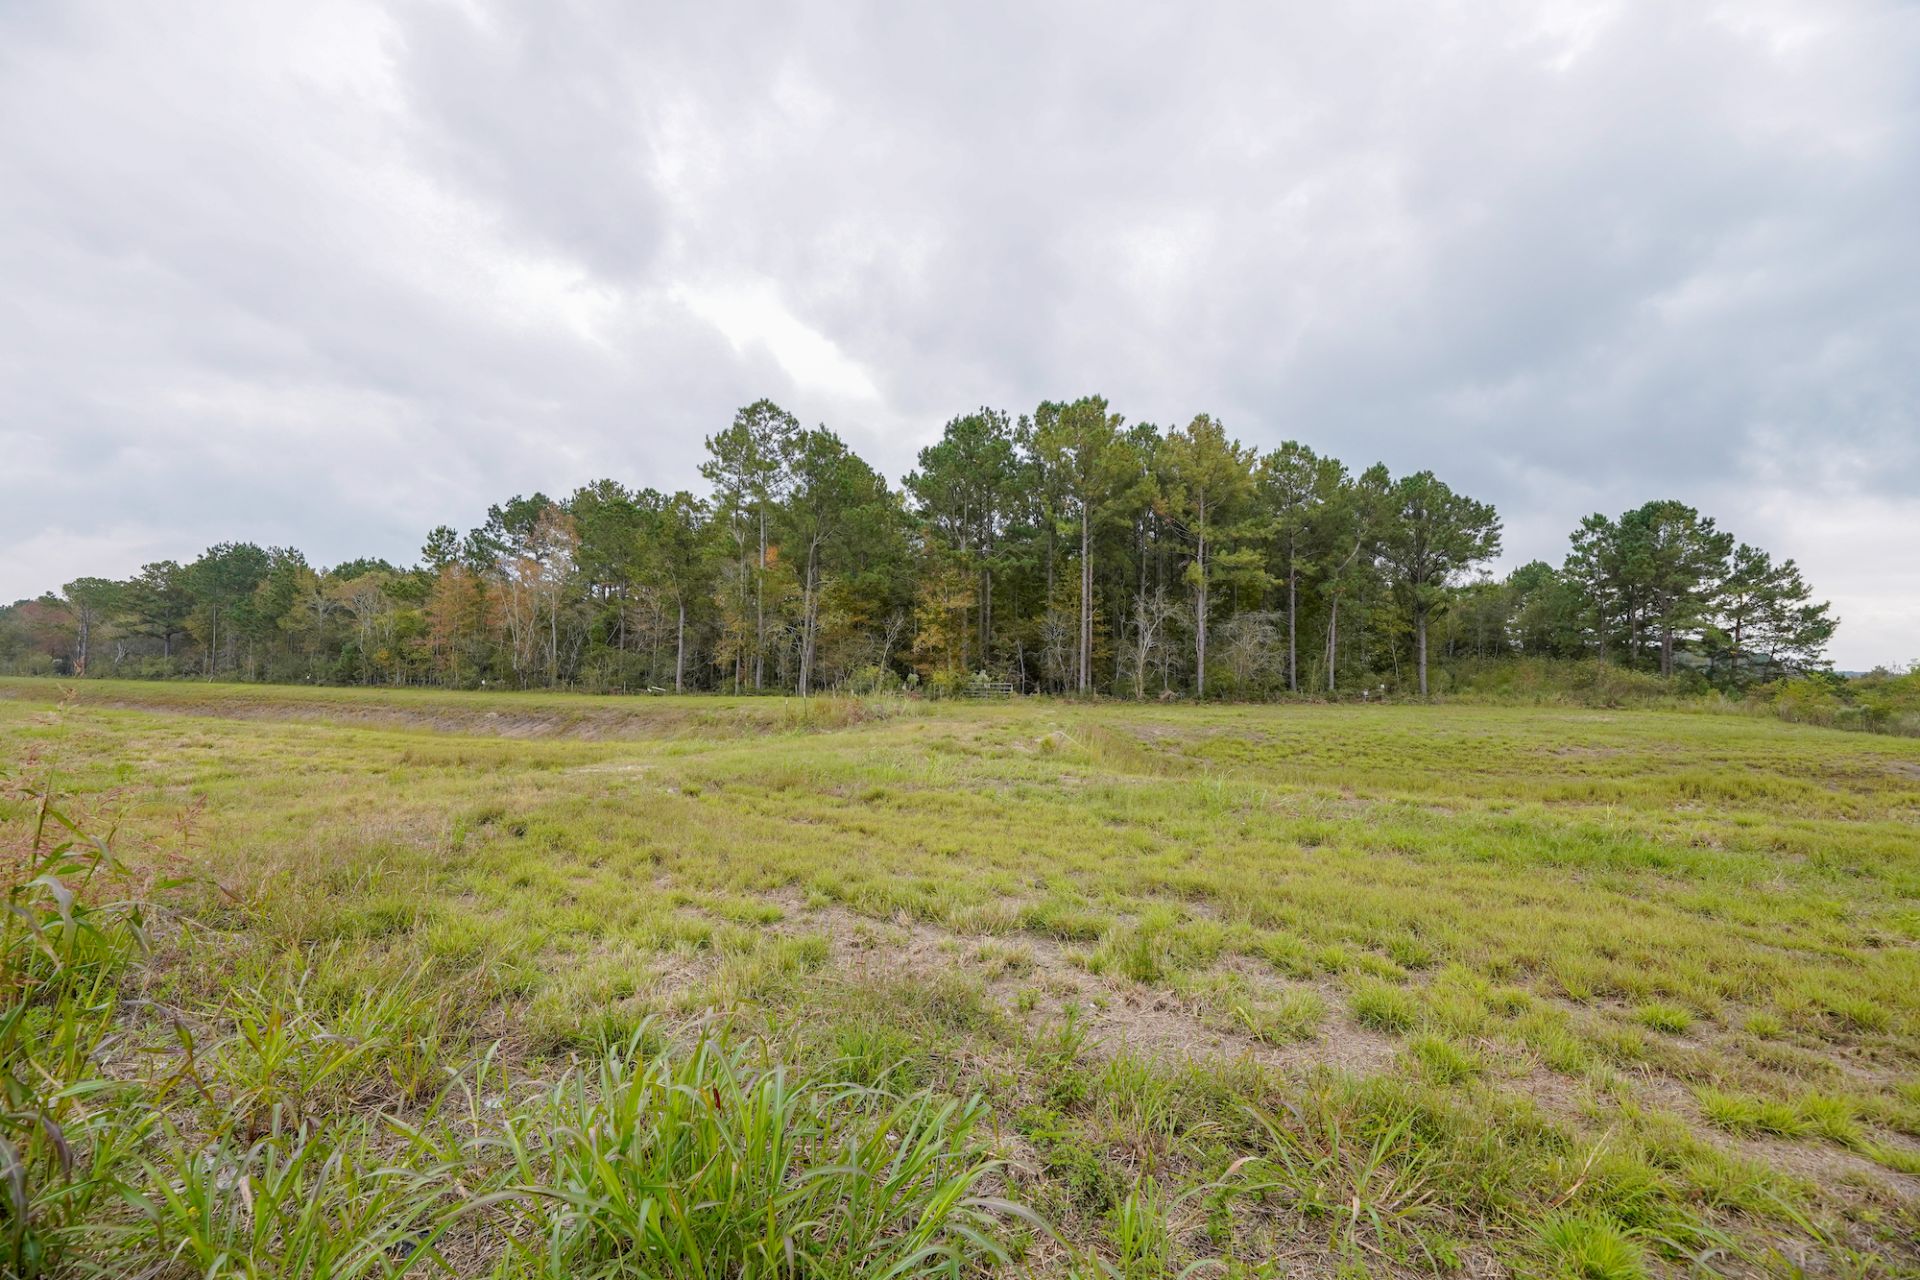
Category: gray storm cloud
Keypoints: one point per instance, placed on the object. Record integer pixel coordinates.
(327, 275)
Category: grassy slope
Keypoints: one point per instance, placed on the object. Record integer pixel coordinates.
(1603, 989)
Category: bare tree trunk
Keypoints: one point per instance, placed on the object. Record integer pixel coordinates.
(1052, 539)
(808, 605)
(653, 649)
(740, 649)
(1144, 639)
(1086, 600)
(806, 643)
(1200, 620)
(1420, 627)
(1333, 639)
(986, 616)
(1293, 606)
(760, 605)
(680, 650)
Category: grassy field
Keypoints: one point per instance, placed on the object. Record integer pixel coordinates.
(542, 985)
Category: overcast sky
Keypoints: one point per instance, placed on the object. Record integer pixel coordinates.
(328, 275)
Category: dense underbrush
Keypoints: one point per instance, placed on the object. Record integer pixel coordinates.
(1881, 702)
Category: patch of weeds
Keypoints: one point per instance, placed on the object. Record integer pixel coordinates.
(1070, 922)
(1670, 1018)
(306, 1200)
(1545, 1031)
(1088, 1182)
(1443, 1061)
(1291, 1017)
(1383, 1007)
(1457, 1001)
(1898, 1159)
(1835, 1119)
(689, 1163)
(1590, 1247)
(456, 939)
(1287, 954)
(1142, 1242)
(1621, 1045)
(71, 928)
(1053, 1056)
(1410, 952)
(763, 968)
(878, 1055)
(1746, 1114)
(1580, 977)
(1789, 1060)
(1858, 1014)
(1379, 967)
(744, 911)
(1139, 954)
(998, 960)
(952, 999)
(382, 917)
(994, 917)
(1333, 959)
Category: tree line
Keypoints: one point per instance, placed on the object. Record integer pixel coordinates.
(1063, 551)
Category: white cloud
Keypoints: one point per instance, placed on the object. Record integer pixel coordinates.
(752, 315)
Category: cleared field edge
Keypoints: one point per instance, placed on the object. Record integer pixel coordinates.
(530, 714)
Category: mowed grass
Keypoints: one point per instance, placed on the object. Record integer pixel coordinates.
(1373, 990)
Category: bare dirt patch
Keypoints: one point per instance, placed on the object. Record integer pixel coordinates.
(1576, 752)
(1119, 1016)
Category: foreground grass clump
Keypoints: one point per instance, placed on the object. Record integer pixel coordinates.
(1383, 1007)
(1590, 1248)
(63, 954)
(710, 1163)
(370, 985)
